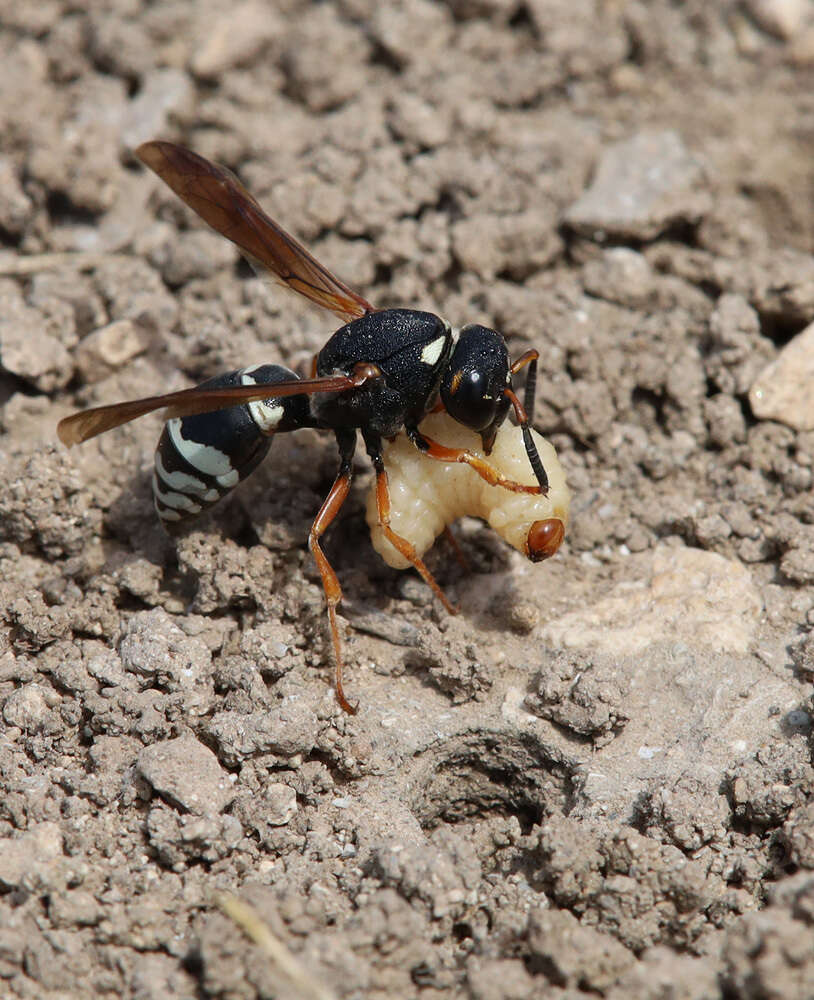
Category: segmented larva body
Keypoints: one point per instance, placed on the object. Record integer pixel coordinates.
(427, 495)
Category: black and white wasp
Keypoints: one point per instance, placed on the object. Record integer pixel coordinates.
(380, 373)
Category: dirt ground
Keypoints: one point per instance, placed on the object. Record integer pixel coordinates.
(597, 779)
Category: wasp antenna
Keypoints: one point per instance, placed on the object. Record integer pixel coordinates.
(531, 389)
(534, 459)
(523, 420)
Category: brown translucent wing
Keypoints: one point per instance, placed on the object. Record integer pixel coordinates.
(188, 402)
(221, 201)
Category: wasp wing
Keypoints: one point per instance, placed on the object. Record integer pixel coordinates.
(86, 424)
(223, 203)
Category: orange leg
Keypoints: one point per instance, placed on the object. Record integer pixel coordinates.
(401, 544)
(463, 562)
(330, 583)
(483, 468)
(374, 448)
(529, 358)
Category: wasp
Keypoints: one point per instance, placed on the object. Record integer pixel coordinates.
(381, 373)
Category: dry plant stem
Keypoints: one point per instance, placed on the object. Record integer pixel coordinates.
(249, 921)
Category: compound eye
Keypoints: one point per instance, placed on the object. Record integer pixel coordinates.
(544, 538)
(467, 399)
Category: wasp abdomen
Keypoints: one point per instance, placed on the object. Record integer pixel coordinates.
(200, 459)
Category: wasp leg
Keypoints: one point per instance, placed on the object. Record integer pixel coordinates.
(399, 543)
(530, 359)
(457, 551)
(432, 449)
(330, 582)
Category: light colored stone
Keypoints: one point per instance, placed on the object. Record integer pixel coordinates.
(188, 774)
(109, 348)
(26, 708)
(781, 18)
(165, 92)
(581, 956)
(32, 343)
(235, 38)
(782, 391)
(28, 857)
(16, 207)
(688, 594)
(642, 186)
(279, 802)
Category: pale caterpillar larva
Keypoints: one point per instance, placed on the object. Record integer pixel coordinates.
(427, 495)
